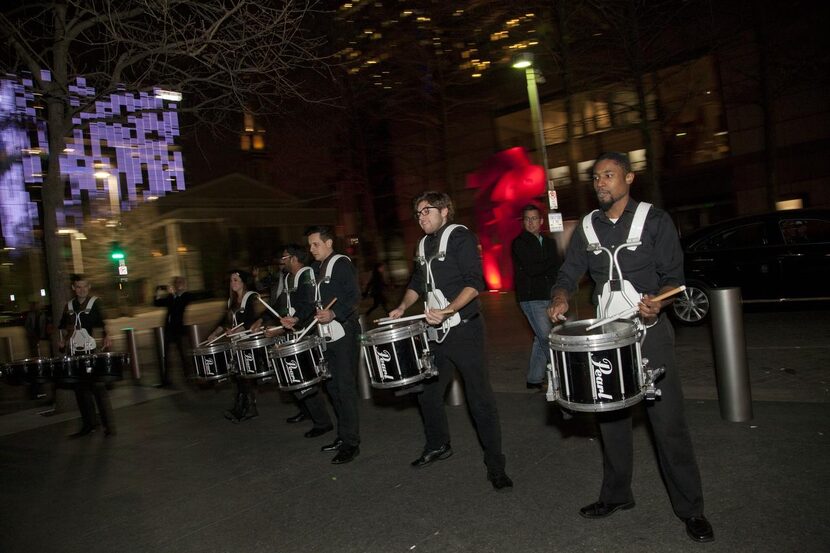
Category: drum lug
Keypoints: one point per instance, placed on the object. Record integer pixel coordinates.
(427, 364)
(650, 392)
(552, 393)
(324, 369)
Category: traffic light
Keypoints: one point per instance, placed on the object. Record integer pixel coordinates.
(116, 253)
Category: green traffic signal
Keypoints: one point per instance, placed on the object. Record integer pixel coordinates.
(116, 253)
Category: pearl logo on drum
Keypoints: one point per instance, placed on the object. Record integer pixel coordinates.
(602, 367)
(290, 367)
(384, 356)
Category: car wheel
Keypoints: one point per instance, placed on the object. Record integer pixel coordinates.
(691, 306)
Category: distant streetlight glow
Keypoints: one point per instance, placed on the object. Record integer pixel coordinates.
(523, 60)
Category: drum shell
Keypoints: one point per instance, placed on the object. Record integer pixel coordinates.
(109, 366)
(212, 362)
(71, 369)
(254, 357)
(397, 355)
(300, 363)
(28, 371)
(596, 371)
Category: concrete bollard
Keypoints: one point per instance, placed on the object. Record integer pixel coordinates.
(729, 344)
(455, 396)
(195, 336)
(161, 353)
(132, 349)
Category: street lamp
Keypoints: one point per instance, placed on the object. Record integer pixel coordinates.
(524, 60)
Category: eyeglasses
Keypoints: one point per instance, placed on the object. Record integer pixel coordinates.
(531, 219)
(425, 211)
(283, 258)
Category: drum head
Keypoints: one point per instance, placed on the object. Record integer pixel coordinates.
(574, 336)
(294, 346)
(393, 332)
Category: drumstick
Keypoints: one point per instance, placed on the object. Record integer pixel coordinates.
(271, 309)
(314, 322)
(390, 320)
(632, 310)
(223, 334)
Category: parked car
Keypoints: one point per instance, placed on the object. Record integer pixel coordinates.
(780, 256)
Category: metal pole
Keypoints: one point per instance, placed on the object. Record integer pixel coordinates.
(132, 349)
(455, 396)
(195, 336)
(538, 124)
(364, 388)
(729, 343)
(8, 349)
(161, 354)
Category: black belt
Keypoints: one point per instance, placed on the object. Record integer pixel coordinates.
(472, 317)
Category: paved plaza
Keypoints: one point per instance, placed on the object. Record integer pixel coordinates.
(180, 478)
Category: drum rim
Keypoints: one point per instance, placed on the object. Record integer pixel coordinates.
(390, 333)
(626, 335)
(211, 349)
(292, 347)
(602, 407)
(255, 343)
(29, 361)
(302, 385)
(400, 383)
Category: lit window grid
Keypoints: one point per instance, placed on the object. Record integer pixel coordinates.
(124, 149)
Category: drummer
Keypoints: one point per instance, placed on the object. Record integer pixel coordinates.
(81, 316)
(243, 313)
(654, 266)
(296, 305)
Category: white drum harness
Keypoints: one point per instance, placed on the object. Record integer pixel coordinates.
(242, 305)
(332, 331)
(617, 294)
(81, 341)
(435, 298)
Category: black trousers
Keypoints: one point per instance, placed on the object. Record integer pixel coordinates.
(671, 435)
(170, 340)
(311, 404)
(88, 394)
(463, 349)
(343, 359)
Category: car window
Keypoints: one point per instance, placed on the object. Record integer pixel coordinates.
(805, 231)
(745, 236)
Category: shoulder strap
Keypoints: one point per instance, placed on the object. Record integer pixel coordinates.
(635, 233)
(69, 308)
(590, 233)
(245, 301)
(442, 245)
(89, 304)
(330, 265)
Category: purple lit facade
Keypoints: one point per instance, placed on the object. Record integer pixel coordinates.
(127, 138)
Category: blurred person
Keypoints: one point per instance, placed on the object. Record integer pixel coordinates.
(243, 309)
(459, 278)
(338, 324)
(176, 301)
(653, 267)
(535, 263)
(376, 287)
(81, 316)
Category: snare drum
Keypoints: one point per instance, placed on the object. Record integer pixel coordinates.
(300, 363)
(398, 354)
(28, 371)
(596, 370)
(212, 362)
(71, 369)
(254, 358)
(109, 366)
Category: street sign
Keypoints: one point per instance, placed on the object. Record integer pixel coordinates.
(552, 201)
(122, 267)
(555, 222)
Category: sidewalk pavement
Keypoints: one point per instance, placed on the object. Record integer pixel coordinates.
(180, 478)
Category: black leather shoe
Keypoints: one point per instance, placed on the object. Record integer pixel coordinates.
(500, 481)
(318, 431)
(299, 417)
(345, 455)
(84, 431)
(333, 446)
(535, 386)
(432, 455)
(699, 529)
(602, 510)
